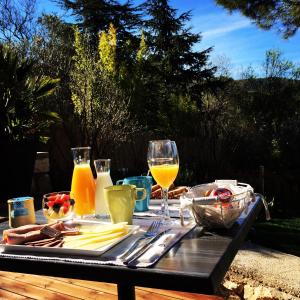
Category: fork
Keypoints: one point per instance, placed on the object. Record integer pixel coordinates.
(151, 232)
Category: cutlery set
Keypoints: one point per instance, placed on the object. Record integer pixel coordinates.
(143, 243)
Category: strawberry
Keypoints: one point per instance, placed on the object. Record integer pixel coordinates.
(65, 209)
(52, 198)
(65, 197)
(226, 205)
(59, 201)
(66, 204)
(50, 203)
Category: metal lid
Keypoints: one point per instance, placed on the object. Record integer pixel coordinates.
(19, 199)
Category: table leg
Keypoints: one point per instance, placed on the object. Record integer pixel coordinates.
(126, 292)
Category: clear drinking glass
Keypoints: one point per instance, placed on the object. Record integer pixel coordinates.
(83, 184)
(163, 162)
(58, 206)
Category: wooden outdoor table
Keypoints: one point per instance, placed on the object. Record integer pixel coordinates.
(198, 263)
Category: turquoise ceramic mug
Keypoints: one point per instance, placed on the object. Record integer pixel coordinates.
(140, 182)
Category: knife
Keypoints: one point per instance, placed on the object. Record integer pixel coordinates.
(155, 252)
(145, 247)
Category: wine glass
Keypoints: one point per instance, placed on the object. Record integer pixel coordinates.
(163, 162)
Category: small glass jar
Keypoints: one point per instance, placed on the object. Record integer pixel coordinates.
(58, 206)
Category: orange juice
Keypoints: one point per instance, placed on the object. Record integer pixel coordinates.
(165, 174)
(83, 189)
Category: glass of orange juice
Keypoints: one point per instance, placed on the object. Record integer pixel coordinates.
(83, 185)
(163, 162)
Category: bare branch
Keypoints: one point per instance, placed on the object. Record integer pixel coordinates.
(17, 20)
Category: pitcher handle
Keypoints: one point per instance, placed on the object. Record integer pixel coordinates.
(140, 190)
(119, 182)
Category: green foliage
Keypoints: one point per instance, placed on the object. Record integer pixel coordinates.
(82, 78)
(283, 14)
(142, 51)
(270, 102)
(266, 128)
(279, 233)
(97, 15)
(100, 105)
(22, 97)
(166, 70)
(171, 50)
(52, 50)
(107, 51)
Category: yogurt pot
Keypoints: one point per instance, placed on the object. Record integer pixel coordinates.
(21, 211)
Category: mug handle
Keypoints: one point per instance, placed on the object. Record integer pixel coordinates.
(140, 190)
(119, 182)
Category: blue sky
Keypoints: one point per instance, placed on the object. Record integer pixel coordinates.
(233, 37)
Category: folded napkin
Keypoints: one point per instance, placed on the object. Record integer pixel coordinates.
(155, 207)
(157, 250)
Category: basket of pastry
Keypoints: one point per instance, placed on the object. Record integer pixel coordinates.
(218, 204)
(174, 191)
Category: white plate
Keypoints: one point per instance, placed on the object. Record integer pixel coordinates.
(52, 250)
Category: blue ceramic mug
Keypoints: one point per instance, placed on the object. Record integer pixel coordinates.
(140, 182)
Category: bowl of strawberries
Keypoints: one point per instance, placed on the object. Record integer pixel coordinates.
(58, 206)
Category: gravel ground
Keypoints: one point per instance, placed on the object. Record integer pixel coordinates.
(262, 273)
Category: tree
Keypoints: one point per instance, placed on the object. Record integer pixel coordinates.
(16, 24)
(24, 121)
(171, 69)
(223, 64)
(270, 105)
(100, 105)
(275, 66)
(107, 51)
(22, 96)
(97, 15)
(143, 49)
(170, 43)
(52, 49)
(283, 14)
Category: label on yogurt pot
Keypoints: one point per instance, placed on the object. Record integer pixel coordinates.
(21, 211)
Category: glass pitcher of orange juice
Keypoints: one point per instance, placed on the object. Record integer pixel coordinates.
(83, 184)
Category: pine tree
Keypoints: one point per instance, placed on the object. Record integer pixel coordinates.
(281, 14)
(180, 68)
(97, 15)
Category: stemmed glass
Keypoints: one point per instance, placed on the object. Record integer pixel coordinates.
(163, 162)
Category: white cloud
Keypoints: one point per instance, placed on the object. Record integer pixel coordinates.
(225, 29)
